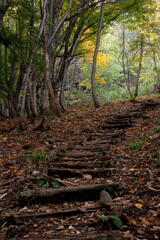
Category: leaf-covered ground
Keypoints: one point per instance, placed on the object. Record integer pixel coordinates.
(117, 145)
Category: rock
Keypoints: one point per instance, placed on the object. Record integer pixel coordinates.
(36, 173)
(105, 198)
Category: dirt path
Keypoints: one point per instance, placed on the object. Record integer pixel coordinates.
(52, 190)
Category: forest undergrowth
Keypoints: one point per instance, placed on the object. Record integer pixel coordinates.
(93, 174)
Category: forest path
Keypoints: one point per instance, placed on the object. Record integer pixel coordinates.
(57, 195)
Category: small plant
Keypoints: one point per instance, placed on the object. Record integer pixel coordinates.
(39, 156)
(110, 222)
(157, 129)
(136, 144)
(157, 119)
(144, 138)
(35, 157)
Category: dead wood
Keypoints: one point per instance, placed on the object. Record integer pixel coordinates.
(110, 135)
(119, 121)
(78, 193)
(77, 165)
(128, 115)
(78, 154)
(119, 126)
(60, 213)
(89, 148)
(66, 172)
(148, 106)
(98, 142)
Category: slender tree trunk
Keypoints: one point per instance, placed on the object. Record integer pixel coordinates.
(140, 66)
(45, 99)
(62, 97)
(93, 82)
(155, 64)
(24, 88)
(12, 104)
(126, 73)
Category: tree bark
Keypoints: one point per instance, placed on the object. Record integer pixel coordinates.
(53, 103)
(85, 191)
(126, 73)
(93, 83)
(140, 66)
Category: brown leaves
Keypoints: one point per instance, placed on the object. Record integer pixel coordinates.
(137, 171)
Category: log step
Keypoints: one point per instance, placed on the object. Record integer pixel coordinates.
(79, 165)
(118, 126)
(71, 173)
(78, 154)
(67, 194)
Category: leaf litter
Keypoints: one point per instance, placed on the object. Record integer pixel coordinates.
(130, 148)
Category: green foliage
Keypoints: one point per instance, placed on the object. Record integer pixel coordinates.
(35, 157)
(79, 97)
(56, 183)
(42, 182)
(115, 221)
(157, 129)
(157, 119)
(39, 156)
(104, 218)
(20, 40)
(136, 144)
(144, 138)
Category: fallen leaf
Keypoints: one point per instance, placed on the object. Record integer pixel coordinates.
(139, 205)
(87, 176)
(133, 221)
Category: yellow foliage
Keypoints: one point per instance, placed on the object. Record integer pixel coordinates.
(98, 78)
(85, 84)
(150, 27)
(102, 59)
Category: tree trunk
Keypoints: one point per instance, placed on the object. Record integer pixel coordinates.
(140, 66)
(93, 82)
(24, 88)
(62, 97)
(53, 103)
(126, 73)
(155, 64)
(45, 99)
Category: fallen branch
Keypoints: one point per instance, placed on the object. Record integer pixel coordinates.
(78, 154)
(90, 148)
(78, 193)
(119, 126)
(77, 165)
(128, 115)
(109, 135)
(66, 172)
(61, 213)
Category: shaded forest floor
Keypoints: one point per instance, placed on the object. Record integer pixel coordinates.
(116, 148)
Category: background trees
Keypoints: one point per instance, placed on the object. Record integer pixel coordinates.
(40, 41)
